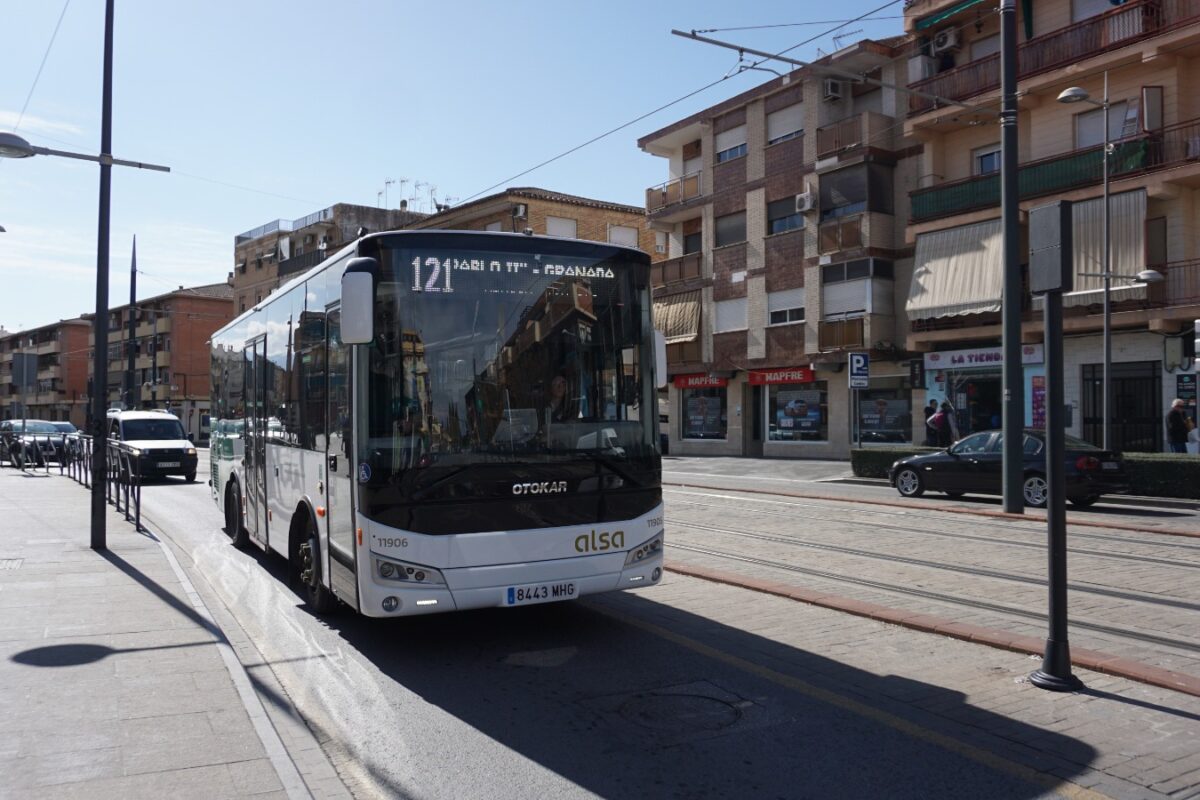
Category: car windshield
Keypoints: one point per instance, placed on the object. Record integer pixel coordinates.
(65, 427)
(35, 426)
(136, 430)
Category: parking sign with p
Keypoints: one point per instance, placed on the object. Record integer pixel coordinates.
(860, 370)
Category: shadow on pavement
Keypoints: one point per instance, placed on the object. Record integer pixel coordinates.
(675, 704)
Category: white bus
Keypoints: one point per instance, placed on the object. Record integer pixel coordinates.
(440, 420)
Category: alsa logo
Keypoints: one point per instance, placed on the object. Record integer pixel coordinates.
(597, 542)
(543, 487)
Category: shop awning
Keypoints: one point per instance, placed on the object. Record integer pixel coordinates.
(678, 316)
(957, 271)
(945, 14)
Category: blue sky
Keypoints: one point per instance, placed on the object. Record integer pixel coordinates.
(303, 104)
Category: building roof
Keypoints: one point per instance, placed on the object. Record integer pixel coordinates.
(528, 193)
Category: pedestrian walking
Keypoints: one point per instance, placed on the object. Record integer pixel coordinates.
(1179, 424)
(947, 425)
(931, 434)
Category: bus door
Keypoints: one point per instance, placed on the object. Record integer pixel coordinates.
(255, 437)
(339, 462)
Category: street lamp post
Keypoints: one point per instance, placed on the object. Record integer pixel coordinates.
(13, 146)
(1077, 94)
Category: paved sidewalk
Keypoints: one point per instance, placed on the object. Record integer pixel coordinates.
(114, 679)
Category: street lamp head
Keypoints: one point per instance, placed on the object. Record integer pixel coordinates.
(13, 146)
(1150, 276)
(1075, 94)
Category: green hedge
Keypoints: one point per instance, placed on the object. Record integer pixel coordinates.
(1150, 474)
(874, 462)
(1164, 474)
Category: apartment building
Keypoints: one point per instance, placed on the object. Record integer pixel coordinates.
(268, 256)
(550, 213)
(1150, 51)
(61, 349)
(171, 353)
(784, 219)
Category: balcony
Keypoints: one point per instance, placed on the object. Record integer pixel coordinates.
(676, 190)
(869, 129)
(1123, 25)
(300, 263)
(839, 334)
(840, 233)
(1171, 147)
(675, 270)
(1180, 287)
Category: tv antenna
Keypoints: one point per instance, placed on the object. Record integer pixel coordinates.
(837, 38)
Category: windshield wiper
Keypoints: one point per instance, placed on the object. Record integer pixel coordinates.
(612, 463)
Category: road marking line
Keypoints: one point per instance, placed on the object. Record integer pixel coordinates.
(977, 754)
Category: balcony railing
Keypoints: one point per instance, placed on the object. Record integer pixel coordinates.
(842, 135)
(1169, 147)
(1121, 26)
(838, 334)
(674, 191)
(673, 270)
(1180, 285)
(301, 263)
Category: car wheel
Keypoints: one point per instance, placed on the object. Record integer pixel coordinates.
(1084, 502)
(909, 483)
(233, 518)
(319, 598)
(954, 495)
(190, 477)
(1035, 490)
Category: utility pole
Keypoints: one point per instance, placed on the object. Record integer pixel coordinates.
(129, 371)
(1014, 375)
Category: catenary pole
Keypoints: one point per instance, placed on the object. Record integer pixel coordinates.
(100, 322)
(1014, 379)
(129, 370)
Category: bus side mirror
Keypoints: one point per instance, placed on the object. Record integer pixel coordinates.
(660, 358)
(358, 300)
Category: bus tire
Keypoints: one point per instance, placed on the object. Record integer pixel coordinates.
(307, 566)
(190, 477)
(233, 517)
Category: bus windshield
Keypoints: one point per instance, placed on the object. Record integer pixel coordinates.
(508, 357)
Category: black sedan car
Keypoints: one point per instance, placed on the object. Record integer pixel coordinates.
(21, 441)
(973, 465)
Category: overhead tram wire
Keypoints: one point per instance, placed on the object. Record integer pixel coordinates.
(665, 106)
(38, 76)
(795, 24)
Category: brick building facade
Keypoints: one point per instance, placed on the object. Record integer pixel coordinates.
(62, 371)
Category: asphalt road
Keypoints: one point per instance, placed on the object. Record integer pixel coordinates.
(624, 696)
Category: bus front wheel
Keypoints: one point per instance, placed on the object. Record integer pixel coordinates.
(308, 570)
(233, 517)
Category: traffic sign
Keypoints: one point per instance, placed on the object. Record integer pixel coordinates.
(860, 370)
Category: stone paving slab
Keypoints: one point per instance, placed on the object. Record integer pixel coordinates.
(111, 685)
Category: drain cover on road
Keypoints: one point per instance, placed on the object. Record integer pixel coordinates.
(672, 715)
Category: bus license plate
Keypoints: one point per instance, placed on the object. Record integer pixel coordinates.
(539, 593)
(168, 463)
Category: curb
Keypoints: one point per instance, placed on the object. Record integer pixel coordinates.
(928, 623)
(1117, 526)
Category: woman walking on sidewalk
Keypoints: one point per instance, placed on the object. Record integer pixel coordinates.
(1178, 426)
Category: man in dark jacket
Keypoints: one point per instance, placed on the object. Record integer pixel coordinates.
(1177, 427)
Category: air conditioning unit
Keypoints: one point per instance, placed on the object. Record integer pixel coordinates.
(945, 39)
(520, 210)
(805, 201)
(834, 89)
(921, 67)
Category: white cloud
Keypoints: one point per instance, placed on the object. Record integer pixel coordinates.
(32, 124)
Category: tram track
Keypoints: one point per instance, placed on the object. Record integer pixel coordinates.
(982, 572)
(1175, 546)
(1190, 647)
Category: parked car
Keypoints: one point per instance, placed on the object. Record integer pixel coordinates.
(158, 435)
(21, 441)
(974, 465)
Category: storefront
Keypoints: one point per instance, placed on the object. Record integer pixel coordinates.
(796, 404)
(703, 406)
(972, 382)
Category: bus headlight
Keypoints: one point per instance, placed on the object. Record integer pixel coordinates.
(644, 551)
(404, 572)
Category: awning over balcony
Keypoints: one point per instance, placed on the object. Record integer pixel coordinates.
(957, 271)
(1127, 229)
(945, 14)
(678, 316)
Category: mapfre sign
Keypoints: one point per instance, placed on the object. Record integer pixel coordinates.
(699, 381)
(762, 377)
